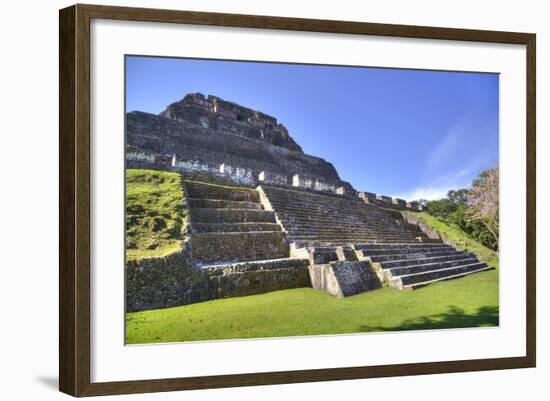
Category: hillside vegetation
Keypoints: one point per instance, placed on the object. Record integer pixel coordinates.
(471, 301)
(460, 238)
(154, 213)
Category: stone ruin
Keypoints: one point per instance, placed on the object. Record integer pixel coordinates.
(200, 134)
(287, 220)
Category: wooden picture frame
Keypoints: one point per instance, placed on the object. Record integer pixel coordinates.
(74, 199)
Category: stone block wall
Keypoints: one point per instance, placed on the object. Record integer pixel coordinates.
(214, 112)
(268, 177)
(163, 282)
(344, 278)
(218, 247)
(189, 141)
(250, 279)
(172, 281)
(388, 202)
(314, 183)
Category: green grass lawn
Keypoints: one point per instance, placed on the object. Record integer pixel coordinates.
(467, 302)
(154, 213)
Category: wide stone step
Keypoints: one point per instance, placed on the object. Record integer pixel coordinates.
(342, 226)
(235, 227)
(426, 267)
(416, 256)
(255, 265)
(368, 247)
(305, 233)
(296, 209)
(348, 233)
(292, 203)
(352, 234)
(412, 262)
(334, 216)
(238, 246)
(304, 230)
(343, 220)
(346, 239)
(394, 251)
(209, 215)
(327, 203)
(222, 203)
(308, 214)
(313, 243)
(208, 191)
(421, 279)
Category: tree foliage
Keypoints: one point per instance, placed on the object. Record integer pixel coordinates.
(474, 210)
(483, 200)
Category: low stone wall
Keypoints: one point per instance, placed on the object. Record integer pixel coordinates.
(388, 201)
(232, 175)
(163, 282)
(172, 281)
(248, 279)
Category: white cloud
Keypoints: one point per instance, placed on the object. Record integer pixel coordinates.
(444, 149)
(439, 188)
(429, 193)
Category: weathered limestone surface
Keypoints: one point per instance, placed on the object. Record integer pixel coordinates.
(229, 224)
(316, 217)
(163, 282)
(172, 281)
(344, 278)
(238, 246)
(201, 191)
(258, 277)
(213, 112)
(410, 266)
(204, 133)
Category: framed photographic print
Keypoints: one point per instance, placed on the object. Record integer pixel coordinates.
(250, 200)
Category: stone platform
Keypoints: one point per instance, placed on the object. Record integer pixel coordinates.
(240, 246)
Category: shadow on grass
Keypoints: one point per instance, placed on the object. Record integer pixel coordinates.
(453, 318)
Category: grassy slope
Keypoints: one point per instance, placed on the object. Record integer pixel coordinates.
(154, 213)
(455, 234)
(467, 302)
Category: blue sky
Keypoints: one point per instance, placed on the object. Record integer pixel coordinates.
(407, 133)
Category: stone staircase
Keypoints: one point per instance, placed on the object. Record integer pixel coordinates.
(410, 266)
(230, 229)
(350, 246)
(315, 219)
(403, 266)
